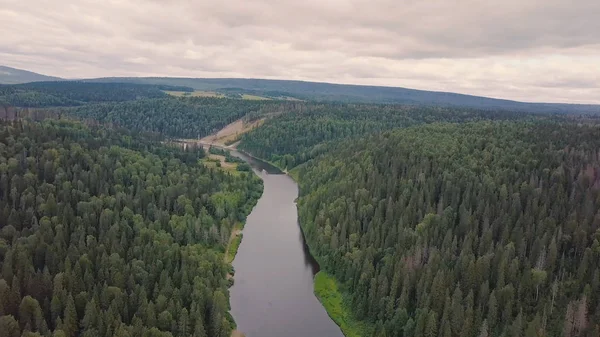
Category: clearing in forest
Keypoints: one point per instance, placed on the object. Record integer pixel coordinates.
(233, 244)
(255, 97)
(231, 133)
(215, 160)
(195, 93)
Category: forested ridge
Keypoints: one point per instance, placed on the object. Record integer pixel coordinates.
(105, 234)
(481, 229)
(139, 107)
(70, 93)
(329, 92)
(173, 117)
(305, 132)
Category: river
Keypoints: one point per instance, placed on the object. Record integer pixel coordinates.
(273, 291)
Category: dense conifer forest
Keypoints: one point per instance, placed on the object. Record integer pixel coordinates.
(482, 229)
(174, 117)
(138, 107)
(103, 233)
(434, 222)
(306, 131)
(67, 93)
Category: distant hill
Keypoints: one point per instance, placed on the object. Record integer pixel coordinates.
(10, 75)
(318, 91)
(74, 93)
(354, 93)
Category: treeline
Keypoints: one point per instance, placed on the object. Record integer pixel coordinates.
(303, 133)
(483, 229)
(104, 234)
(174, 117)
(74, 93)
(140, 107)
(137, 107)
(229, 158)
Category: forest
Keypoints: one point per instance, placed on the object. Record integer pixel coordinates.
(70, 93)
(476, 229)
(347, 93)
(139, 107)
(431, 221)
(301, 134)
(105, 233)
(191, 117)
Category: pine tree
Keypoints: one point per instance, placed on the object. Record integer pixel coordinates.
(432, 323)
(59, 333)
(456, 316)
(9, 327)
(516, 328)
(4, 295)
(30, 313)
(218, 308)
(409, 328)
(534, 328)
(165, 320)
(492, 311)
(55, 309)
(484, 331)
(199, 330)
(467, 328)
(184, 324)
(70, 323)
(89, 320)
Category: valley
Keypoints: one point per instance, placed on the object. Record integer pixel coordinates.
(421, 220)
(345, 168)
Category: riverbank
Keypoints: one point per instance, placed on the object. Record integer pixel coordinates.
(234, 243)
(231, 250)
(328, 292)
(326, 288)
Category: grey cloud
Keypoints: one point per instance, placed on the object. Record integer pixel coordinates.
(571, 83)
(529, 50)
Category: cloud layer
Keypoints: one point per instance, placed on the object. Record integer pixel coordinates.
(528, 50)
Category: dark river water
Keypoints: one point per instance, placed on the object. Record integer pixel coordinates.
(273, 291)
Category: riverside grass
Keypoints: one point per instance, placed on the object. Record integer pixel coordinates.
(233, 247)
(330, 296)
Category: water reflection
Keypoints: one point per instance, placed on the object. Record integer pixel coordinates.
(257, 164)
(272, 295)
(309, 260)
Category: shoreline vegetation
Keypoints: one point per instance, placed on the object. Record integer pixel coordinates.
(144, 213)
(234, 245)
(327, 290)
(325, 287)
(237, 235)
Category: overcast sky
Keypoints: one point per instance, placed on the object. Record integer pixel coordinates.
(530, 50)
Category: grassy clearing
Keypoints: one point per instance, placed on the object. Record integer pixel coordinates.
(196, 93)
(327, 291)
(234, 245)
(255, 97)
(216, 161)
(294, 174)
(221, 159)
